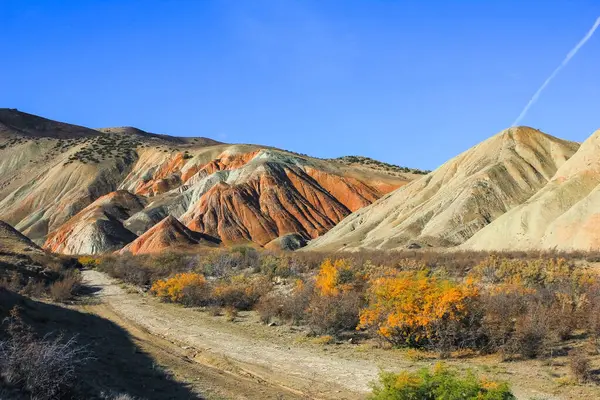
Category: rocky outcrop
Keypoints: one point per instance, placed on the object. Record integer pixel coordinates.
(289, 242)
(563, 215)
(167, 234)
(98, 228)
(454, 202)
(273, 200)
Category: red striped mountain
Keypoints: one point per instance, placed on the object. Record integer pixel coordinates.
(81, 190)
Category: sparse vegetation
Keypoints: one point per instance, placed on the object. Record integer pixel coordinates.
(65, 288)
(516, 305)
(46, 275)
(580, 366)
(375, 164)
(441, 383)
(100, 148)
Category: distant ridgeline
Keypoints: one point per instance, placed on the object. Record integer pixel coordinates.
(349, 160)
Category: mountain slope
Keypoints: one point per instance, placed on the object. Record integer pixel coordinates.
(449, 205)
(14, 124)
(168, 233)
(563, 215)
(12, 241)
(53, 177)
(98, 228)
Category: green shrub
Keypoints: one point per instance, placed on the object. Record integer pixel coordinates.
(441, 383)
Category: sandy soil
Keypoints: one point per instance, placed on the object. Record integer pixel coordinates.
(247, 360)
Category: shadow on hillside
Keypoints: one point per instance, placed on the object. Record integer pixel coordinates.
(117, 366)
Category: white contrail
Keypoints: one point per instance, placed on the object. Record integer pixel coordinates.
(557, 70)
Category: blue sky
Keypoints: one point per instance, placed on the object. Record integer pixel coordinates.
(407, 82)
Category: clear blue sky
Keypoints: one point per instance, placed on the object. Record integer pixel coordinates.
(408, 82)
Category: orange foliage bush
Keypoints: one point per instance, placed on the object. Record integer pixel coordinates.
(335, 277)
(88, 261)
(408, 307)
(174, 289)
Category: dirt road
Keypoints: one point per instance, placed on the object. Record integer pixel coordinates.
(289, 371)
(247, 360)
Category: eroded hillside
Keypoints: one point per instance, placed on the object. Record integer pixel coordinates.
(563, 215)
(79, 190)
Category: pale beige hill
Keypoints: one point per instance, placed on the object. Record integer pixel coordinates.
(563, 215)
(452, 203)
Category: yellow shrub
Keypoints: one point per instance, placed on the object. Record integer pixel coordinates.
(334, 278)
(406, 307)
(89, 261)
(172, 289)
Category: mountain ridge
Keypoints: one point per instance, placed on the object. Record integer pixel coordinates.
(52, 186)
(450, 204)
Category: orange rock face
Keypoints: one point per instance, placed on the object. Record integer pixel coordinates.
(168, 233)
(349, 191)
(277, 202)
(228, 162)
(169, 175)
(164, 179)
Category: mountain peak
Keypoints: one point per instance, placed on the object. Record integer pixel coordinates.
(18, 123)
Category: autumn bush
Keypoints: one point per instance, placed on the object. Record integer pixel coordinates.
(186, 288)
(440, 383)
(336, 277)
(415, 309)
(89, 261)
